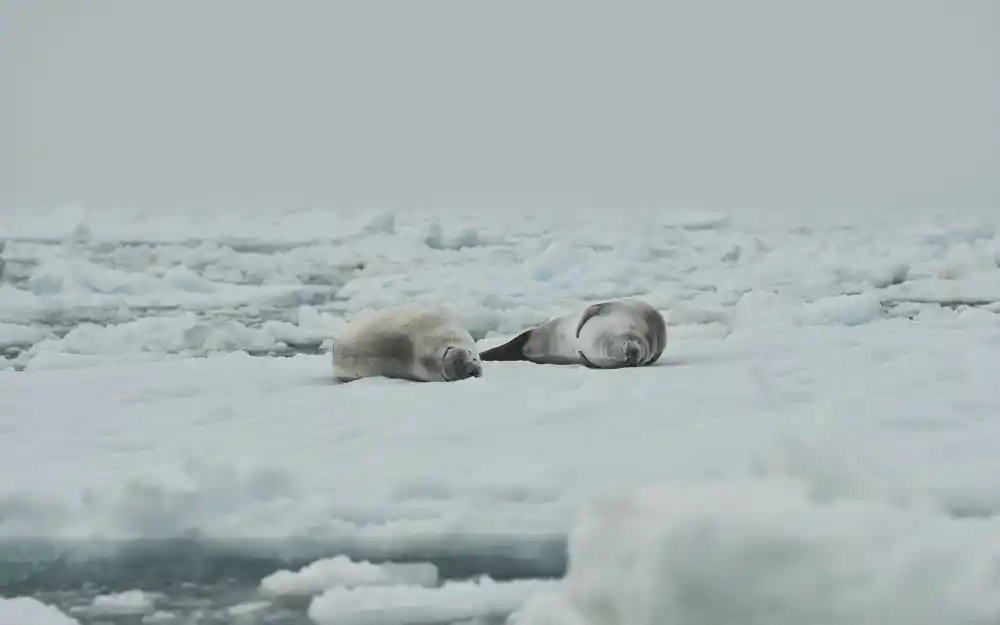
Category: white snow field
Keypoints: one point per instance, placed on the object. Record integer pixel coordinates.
(820, 443)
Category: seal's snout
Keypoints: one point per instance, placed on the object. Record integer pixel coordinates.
(631, 354)
(474, 370)
(461, 364)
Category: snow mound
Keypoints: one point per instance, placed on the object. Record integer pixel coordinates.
(745, 551)
(27, 611)
(77, 276)
(341, 571)
(248, 608)
(559, 260)
(382, 222)
(759, 308)
(129, 602)
(16, 334)
(436, 239)
(186, 333)
(399, 605)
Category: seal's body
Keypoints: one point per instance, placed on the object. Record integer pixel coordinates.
(417, 345)
(608, 335)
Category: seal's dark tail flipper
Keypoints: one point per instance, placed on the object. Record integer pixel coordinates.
(511, 350)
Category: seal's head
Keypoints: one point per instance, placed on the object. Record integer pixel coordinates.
(461, 363)
(628, 350)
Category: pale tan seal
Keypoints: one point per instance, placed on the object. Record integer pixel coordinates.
(418, 345)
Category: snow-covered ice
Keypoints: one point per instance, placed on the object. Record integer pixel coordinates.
(129, 602)
(453, 601)
(28, 611)
(818, 443)
(343, 572)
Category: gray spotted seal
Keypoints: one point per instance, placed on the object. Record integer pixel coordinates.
(606, 335)
(417, 345)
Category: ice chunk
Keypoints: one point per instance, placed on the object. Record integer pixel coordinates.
(28, 611)
(736, 552)
(399, 605)
(341, 571)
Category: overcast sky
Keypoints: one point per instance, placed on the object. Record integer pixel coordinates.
(701, 103)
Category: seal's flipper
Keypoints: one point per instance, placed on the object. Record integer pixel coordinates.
(656, 322)
(590, 311)
(511, 350)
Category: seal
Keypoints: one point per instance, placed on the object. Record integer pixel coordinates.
(606, 335)
(416, 345)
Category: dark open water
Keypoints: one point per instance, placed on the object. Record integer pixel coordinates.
(199, 582)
